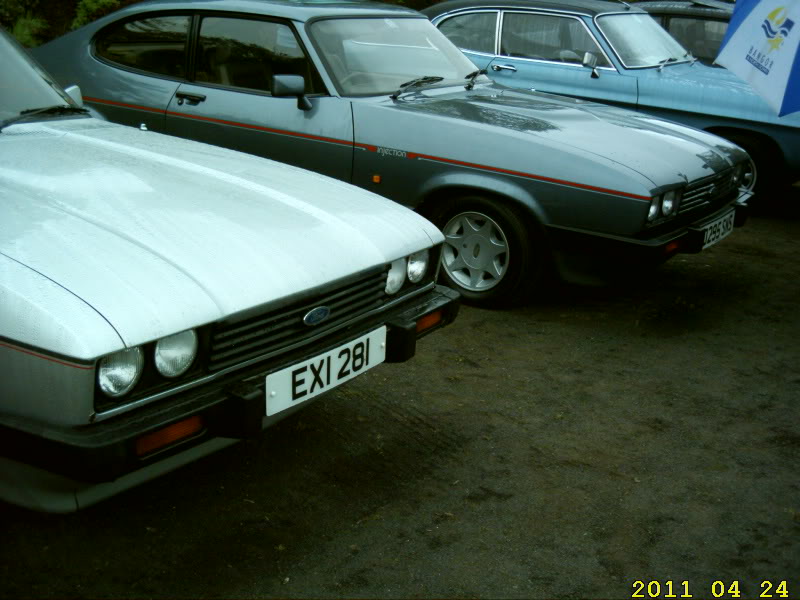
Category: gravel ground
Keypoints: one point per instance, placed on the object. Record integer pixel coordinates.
(645, 432)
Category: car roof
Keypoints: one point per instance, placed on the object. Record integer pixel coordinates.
(299, 10)
(700, 7)
(587, 7)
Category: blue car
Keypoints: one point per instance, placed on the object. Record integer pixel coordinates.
(618, 54)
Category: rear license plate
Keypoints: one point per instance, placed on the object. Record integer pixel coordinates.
(303, 381)
(718, 230)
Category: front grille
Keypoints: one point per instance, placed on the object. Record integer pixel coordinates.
(707, 191)
(272, 331)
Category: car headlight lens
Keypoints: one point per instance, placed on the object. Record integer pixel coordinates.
(397, 276)
(737, 175)
(655, 204)
(417, 266)
(669, 203)
(176, 353)
(117, 373)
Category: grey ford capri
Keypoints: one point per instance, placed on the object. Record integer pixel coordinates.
(162, 298)
(523, 185)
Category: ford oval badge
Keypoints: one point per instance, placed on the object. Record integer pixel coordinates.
(317, 315)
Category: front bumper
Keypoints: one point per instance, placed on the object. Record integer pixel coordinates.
(583, 257)
(233, 407)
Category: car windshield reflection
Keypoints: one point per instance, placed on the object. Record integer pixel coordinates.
(24, 86)
(641, 42)
(377, 56)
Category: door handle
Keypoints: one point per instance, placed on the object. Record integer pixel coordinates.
(504, 68)
(190, 98)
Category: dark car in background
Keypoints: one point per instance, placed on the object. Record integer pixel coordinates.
(616, 53)
(699, 25)
(522, 184)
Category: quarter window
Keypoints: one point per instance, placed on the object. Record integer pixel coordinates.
(475, 31)
(156, 45)
(246, 54)
(547, 37)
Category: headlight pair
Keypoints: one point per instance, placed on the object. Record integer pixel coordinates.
(173, 355)
(663, 206)
(411, 268)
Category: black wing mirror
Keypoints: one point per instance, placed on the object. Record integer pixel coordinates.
(291, 85)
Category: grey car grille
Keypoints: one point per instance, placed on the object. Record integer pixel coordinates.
(706, 191)
(270, 332)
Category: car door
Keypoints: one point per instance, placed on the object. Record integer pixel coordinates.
(545, 52)
(229, 101)
(141, 64)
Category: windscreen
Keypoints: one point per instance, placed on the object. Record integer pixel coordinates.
(372, 56)
(641, 42)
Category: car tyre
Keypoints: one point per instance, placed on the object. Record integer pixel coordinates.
(492, 254)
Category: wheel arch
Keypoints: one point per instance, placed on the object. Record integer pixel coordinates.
(767, 143)
(447, 187)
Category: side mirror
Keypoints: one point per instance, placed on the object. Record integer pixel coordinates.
(74, 92)
(590, 61)
(291, 85)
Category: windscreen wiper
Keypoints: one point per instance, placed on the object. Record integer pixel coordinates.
(58, 109)
(472, 77)
(665, 61)
(416, 83)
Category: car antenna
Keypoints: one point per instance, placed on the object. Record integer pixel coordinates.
(627, 6)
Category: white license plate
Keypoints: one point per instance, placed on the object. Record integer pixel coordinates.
(303, 381)
(718, 230)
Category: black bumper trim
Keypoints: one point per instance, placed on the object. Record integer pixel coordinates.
(233, 407)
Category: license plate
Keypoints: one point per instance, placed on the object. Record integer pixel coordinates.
(718, 230)
(303, 381)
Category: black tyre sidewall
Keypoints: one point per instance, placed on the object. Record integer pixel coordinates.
(525, 264)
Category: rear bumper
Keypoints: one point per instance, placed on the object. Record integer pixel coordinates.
(230, 409)
(583, 257)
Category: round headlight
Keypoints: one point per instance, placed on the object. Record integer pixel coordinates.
(397, 276)
(737, 174)
(117, 373)
(417, 266)
(654, 207)
(668, 203)
(176, 353)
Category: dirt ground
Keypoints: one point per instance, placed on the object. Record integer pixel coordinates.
(568, 449)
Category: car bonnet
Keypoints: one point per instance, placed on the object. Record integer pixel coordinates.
(160, 234)
(516, 130)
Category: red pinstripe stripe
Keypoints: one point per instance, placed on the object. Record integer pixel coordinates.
(371, 148)
(48, 358)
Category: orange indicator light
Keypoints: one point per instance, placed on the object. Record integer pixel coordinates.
(172, 433)
(429, 321)
(376, 179)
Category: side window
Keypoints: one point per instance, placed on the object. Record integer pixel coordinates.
(547, 37)
(475, 31)
(246, 54)
(156, 45)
